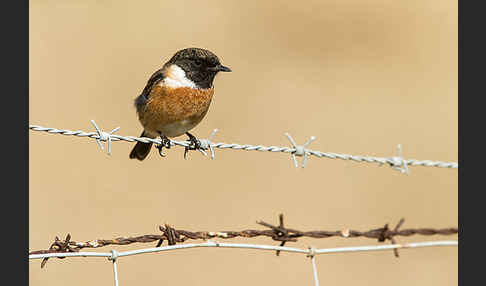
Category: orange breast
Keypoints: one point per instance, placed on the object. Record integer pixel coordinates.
(168, 106)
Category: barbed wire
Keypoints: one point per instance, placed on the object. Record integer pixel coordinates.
(396, 162)
(67, 248)
(278, 233)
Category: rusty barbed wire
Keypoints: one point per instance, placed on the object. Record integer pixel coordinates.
(278, 233)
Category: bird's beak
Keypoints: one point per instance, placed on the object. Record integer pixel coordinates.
(221, 68)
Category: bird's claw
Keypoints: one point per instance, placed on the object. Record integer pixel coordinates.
(165, 142)
(194, 144)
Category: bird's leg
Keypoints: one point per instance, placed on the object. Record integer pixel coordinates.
(165, 143)
(194, 144)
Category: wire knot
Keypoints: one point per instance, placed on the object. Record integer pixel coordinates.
(386, 234)
(170, 234)
(312, 252)
(300, 150)
(398, 163)
(206, 144)
(104, 136)
(280, 233)
(60, 246)
(114, 255)
(215, 243)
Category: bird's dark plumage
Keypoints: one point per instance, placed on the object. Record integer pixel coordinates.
(141, 150)
(141, 100)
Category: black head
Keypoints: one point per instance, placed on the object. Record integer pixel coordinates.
(200, 66)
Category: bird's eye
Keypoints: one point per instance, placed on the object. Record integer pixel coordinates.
(198, 63)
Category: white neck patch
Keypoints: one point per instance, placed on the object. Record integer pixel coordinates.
(176, 77)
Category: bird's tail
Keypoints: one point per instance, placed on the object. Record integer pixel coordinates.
(141, 150)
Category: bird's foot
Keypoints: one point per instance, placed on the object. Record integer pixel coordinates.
(194, 144)
(165, 142)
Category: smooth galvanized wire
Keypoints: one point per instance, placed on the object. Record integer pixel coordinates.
(397, 162)
(313, 261)
(114, 255)
(249, 246)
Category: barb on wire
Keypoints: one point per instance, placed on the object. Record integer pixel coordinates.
(280, 233)
(277, 233)
(171, 235)
(386, 234)
(104, 136)
(398, 163)
(300, 150)
(60, 246)
(206, 143)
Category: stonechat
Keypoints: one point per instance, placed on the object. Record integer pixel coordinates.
(176, 98)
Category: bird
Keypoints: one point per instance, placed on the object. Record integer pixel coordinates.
(176, 98)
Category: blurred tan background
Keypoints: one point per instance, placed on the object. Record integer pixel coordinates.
(361, 76)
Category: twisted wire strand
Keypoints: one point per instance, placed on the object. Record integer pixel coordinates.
(392, 161)
(276, 232)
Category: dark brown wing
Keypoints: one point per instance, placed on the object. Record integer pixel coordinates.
(153, 80)
(141, 100)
